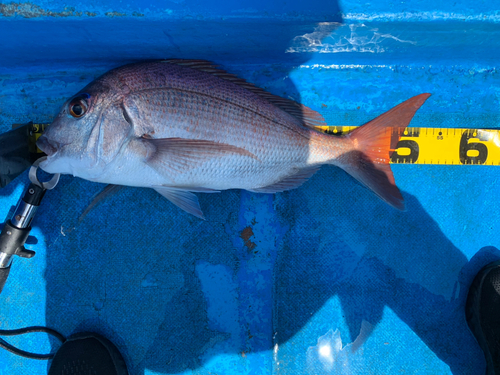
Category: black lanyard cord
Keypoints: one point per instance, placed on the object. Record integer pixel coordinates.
(14, 332)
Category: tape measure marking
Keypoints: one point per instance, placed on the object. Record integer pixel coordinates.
(35, 131)
(440, 145)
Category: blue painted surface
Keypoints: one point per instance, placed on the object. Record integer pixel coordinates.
(325, 279)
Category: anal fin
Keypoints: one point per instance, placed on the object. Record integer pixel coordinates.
(291, 182)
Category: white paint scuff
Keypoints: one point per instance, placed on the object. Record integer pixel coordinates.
(332, 37)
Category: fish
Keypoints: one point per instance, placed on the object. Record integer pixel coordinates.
(182, 127)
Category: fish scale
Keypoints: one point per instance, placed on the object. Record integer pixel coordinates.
(164, 76)
(202, 117)
(185, 126)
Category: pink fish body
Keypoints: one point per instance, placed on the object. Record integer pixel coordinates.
(184, 126)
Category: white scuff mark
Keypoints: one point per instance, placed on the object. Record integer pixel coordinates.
(331, 356)
(276, 361)
(341, 66)
(332, 37)
(449, 69)
(328, 356)
(312, 42)
(325, 351)
(62, 231)
(492, 17)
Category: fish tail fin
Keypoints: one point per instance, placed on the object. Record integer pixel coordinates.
(368, 160)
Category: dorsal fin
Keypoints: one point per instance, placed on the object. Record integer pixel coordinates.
(305, 114)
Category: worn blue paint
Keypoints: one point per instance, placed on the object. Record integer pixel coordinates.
(325, 279)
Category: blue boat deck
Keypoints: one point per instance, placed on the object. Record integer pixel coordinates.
(324, 279)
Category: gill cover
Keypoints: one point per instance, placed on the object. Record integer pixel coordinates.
(110, 134)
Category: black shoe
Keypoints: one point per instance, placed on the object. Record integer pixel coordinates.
(88, 354)
(483, 314)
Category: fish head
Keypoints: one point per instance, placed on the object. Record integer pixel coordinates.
(86, 134)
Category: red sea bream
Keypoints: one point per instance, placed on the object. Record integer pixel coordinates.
(185, 126)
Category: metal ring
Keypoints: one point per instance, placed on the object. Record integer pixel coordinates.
(48, 185)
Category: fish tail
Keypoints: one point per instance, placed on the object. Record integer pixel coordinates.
(370, 146)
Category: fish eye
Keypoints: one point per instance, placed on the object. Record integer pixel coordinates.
(78, 106)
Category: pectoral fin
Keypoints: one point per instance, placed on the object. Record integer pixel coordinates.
(170, 155)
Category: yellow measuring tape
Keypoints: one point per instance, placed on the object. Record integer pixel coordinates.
(416, 145)
(440, 145)
(35, 131)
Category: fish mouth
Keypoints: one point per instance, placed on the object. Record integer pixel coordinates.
(48, 146)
